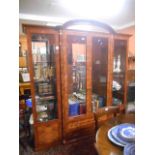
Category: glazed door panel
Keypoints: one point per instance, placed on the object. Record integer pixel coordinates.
(119, 72)
(74, 67)
(76, 56)
(99, 72)
(44, 69)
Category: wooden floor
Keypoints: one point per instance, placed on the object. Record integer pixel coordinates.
(82, 148)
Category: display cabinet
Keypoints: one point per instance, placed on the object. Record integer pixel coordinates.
(75, 74)
(78, 119)
(110, 82)
(44, 67)
(93, 69)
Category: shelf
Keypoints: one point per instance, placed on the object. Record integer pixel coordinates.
(48, 118)
(45, 94)
(119, 76)
(24, 86)
(43, 81)
(118, 72)
(43, 62)
(47, 98)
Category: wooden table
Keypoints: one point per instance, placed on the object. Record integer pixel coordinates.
(103, 145)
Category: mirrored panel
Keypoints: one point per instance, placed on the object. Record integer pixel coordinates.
(119, 67)
(99, 72)
(76, 59)
(44, 68)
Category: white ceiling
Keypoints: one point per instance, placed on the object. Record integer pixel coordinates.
(44, 11)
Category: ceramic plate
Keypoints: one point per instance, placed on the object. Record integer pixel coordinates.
(112, 139)
(127, 132)
(115, 134)
(129, 149)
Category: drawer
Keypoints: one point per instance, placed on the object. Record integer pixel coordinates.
(80, 124)
(80, 133)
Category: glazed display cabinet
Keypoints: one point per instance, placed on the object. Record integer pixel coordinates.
(74, 75)
(78, 119)
(44, 66)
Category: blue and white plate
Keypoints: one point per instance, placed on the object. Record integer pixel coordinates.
(112, 139)
(129, 149)
(122, 134)
(115, 134)
(127, 132)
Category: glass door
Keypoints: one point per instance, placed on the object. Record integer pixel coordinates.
(119, 71)
(76, 67)
(99, 72)
(44, 70)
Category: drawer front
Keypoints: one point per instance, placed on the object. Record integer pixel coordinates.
(76, 130)
(77, 134)
(47, 134)
(80, 124)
